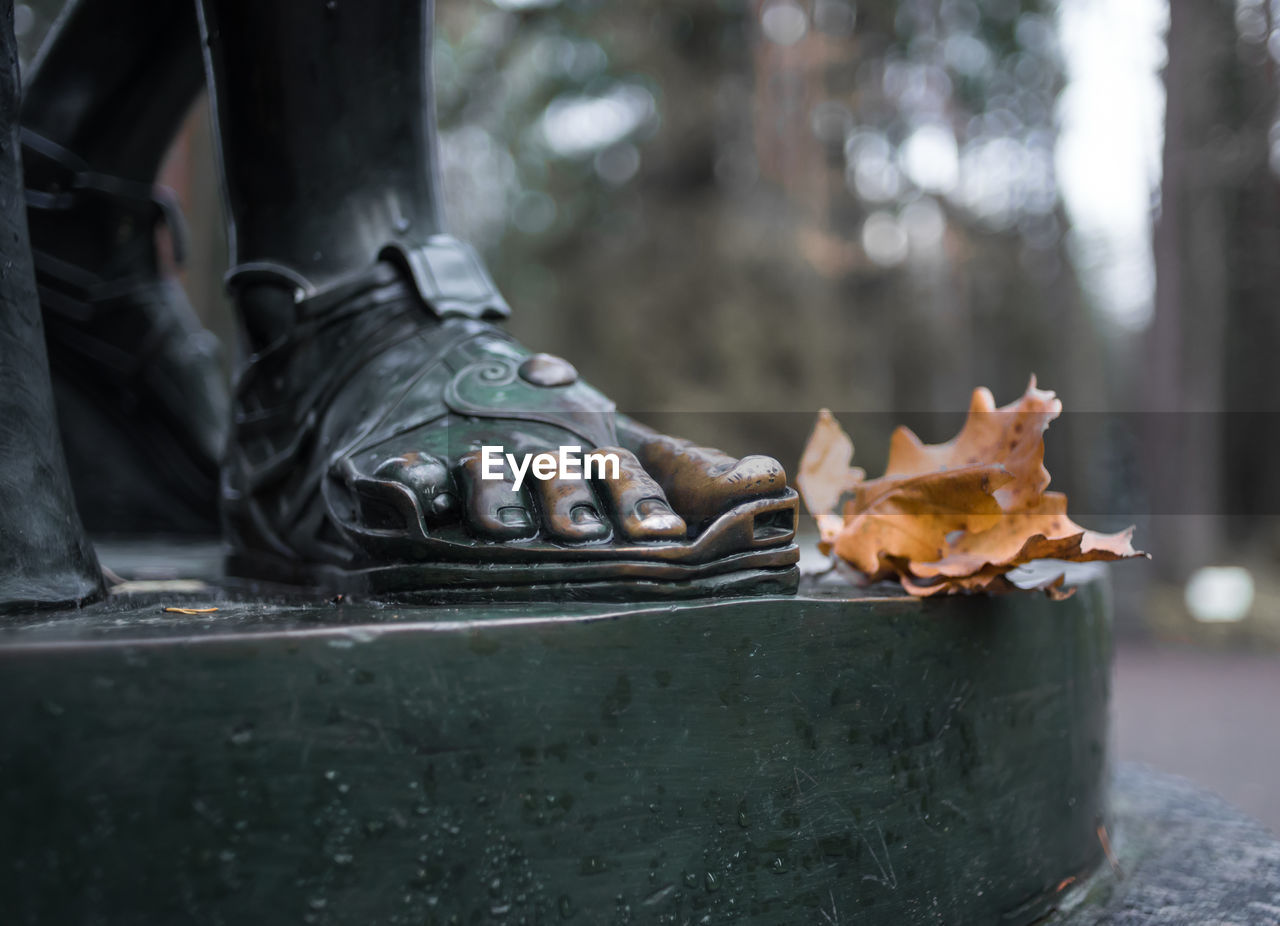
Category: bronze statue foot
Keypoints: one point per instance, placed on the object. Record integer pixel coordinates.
(381, 450)
(141, 402)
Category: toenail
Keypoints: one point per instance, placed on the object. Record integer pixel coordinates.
(655, 515)
(661, 522)
(512, 516)
(548, 370)
(582, 514)
(647, 507)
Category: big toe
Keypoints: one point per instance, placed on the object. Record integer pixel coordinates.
(701, 482)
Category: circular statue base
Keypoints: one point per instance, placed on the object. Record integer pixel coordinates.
(836, 757)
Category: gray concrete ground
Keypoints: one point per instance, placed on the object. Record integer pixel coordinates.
(1213, 717)
(1183, 857)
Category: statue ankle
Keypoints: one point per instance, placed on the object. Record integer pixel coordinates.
(444, 276)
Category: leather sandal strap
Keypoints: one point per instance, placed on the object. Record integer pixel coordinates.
(446, 273)
(65, 179)
(451, 278)
(373, 311)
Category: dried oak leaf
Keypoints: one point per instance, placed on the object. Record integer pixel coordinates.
(992, 580)
(905, 519)
(956, 517)
(1012, 436)
(1043, 531)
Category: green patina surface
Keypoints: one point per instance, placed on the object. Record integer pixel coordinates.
(825, 758)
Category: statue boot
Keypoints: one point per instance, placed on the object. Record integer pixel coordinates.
(141, 400)
(377, 371)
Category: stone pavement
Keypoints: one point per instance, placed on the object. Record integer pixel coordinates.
(1186, 858)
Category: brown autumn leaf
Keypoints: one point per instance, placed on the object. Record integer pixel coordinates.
(957, 517)
(1012, 436)
(825, 475)
(907, 518)
(990, 581)
(1041, 532)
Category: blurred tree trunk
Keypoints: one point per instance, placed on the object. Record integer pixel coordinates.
(1192, 258)
(1216, 331)
(1252, 337)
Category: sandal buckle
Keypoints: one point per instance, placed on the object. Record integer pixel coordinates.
(451, 278)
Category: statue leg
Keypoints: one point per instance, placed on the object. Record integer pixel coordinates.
(113, 80)
(44, 556)
(378, 373)
(141, 403)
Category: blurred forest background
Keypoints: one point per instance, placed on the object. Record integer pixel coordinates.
(729, 213)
